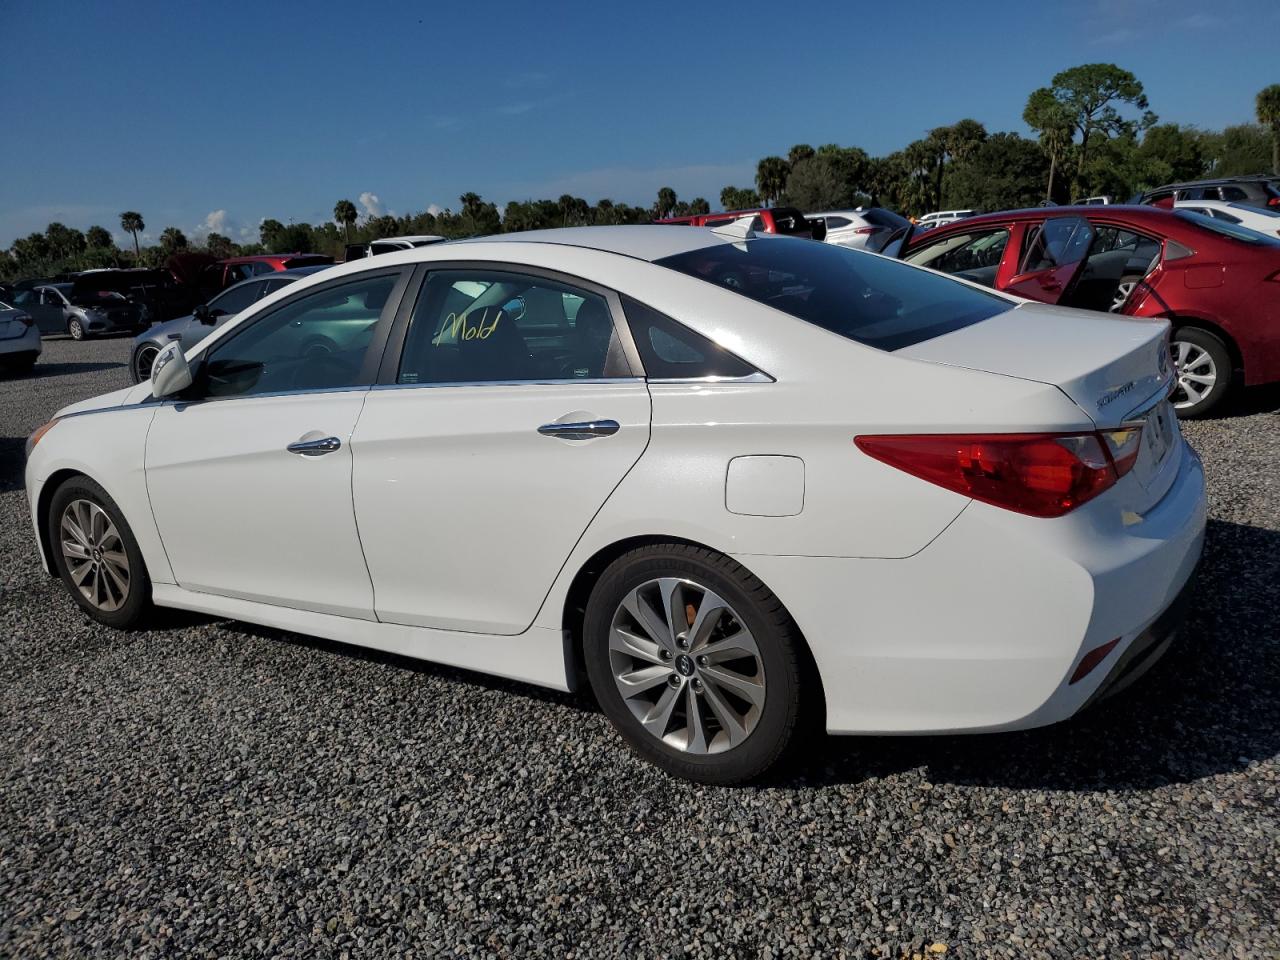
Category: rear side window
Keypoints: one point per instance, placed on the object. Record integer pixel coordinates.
(876, 301)
(836, 222)
(671, 351)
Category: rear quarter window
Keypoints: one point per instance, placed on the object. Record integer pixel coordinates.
(872, 300)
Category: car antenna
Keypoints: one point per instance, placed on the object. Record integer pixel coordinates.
(739, 229)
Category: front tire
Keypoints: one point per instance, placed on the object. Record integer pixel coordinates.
(1204, 372)
(97, 556)
(76, 328)
(143, 358)
(696, 663)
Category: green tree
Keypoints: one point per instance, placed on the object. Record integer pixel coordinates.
(771, 179)
(699, 205)
(219, 246)
(345, 214)
(1268, 109)
(666, 202)
(131, 222)
(1241, 149)
(100, 237)
(1170, 152)
(172, 240)
(268, 230)
(1051, 120)
(801, 151)
(814, 183)
(1092, 94)
(1004, 172)
(64, 242)
(738, 198)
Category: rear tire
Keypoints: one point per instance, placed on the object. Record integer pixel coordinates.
(1124, 290)
(1205, 373)
(96, 555)
(715, 697)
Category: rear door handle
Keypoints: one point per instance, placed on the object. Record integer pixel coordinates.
(314, 448)
(580, 431)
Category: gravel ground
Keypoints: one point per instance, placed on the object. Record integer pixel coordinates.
(209, 788)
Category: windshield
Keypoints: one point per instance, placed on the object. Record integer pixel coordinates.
(876, 301)
(1224, 228)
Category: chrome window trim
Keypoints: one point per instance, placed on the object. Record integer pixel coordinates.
(758, 376)
(509, 383)
(180, 405)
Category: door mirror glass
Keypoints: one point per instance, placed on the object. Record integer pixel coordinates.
(170, 373)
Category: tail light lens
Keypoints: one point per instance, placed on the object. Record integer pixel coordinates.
(865, 230)
(1038, 474)
(27, 320)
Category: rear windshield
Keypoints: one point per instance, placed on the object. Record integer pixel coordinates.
(876, 301)
(1227, 229)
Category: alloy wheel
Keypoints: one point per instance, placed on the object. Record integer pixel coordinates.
(1122, 295)
(76, 329)
(95, 555)
(686, 666)
(142, 362)
(1197, 374)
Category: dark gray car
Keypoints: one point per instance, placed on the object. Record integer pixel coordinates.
(191, 329)
(78, 309)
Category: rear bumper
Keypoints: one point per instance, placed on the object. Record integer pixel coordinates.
(28, 342)
(983, 629)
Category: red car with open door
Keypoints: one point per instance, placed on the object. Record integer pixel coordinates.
(1216, 282)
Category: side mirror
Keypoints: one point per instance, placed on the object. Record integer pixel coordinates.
(170, 373)
(202, 314)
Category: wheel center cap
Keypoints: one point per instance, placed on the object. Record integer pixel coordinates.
(684, 665)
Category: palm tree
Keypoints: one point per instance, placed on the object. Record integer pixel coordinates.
(1268, 106)
(771, 178)
(131, 222)
(344, 214)
(666, 202)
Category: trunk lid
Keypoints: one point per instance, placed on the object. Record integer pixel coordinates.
(1108, 364)
(1117, 369)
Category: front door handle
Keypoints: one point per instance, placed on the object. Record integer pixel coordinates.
(580, 431)
(315, 448)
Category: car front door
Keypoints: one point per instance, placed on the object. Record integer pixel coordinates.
(1051, 255)
(250, 474)
(32, 302)
(499, 427)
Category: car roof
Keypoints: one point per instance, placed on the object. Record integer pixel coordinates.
(1133, 212)
(411, 237)
(647, 241)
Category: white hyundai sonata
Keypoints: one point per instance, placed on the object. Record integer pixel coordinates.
(734, 483)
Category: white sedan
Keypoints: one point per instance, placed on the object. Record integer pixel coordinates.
(740, 485)
(1262, 219)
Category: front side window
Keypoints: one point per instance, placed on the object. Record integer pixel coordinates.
(876, 301)
(234, 300)
(974, 256)
(317, 342)
(485, 326)
(1056, 243)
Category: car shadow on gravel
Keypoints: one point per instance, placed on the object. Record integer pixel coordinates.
(45, 370)
(13, 459)
(1208, 707)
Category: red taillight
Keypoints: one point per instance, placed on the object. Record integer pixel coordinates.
(865, 230)
(1273, 202)
(1039, 474)
(1091, 660)
(27, 320)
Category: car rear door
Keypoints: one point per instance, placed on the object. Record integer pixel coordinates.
(506, 413)
(1052, 254)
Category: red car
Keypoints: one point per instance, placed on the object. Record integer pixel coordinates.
(1216, 282)
(784, 220)
(234, 269)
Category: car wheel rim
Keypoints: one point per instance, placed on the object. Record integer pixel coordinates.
(77, 331)
(142, 365)
(686, 666)
(1122, 295)
(1197, 374)
(97, 563)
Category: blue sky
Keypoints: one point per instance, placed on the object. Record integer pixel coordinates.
(224, 113)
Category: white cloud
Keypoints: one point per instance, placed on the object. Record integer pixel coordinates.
(217, 221)
(435, 209)
(371, 204)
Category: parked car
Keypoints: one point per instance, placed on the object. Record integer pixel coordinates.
(20, 344)
(847, 491)
(1101, 200)
(357, 251)
(938, 218)
(233, 270)
(1256, 191)
(1263, 219)
(1215, 282)
(78, 308)
(784, 221)
(190, 330)
(866, 228)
